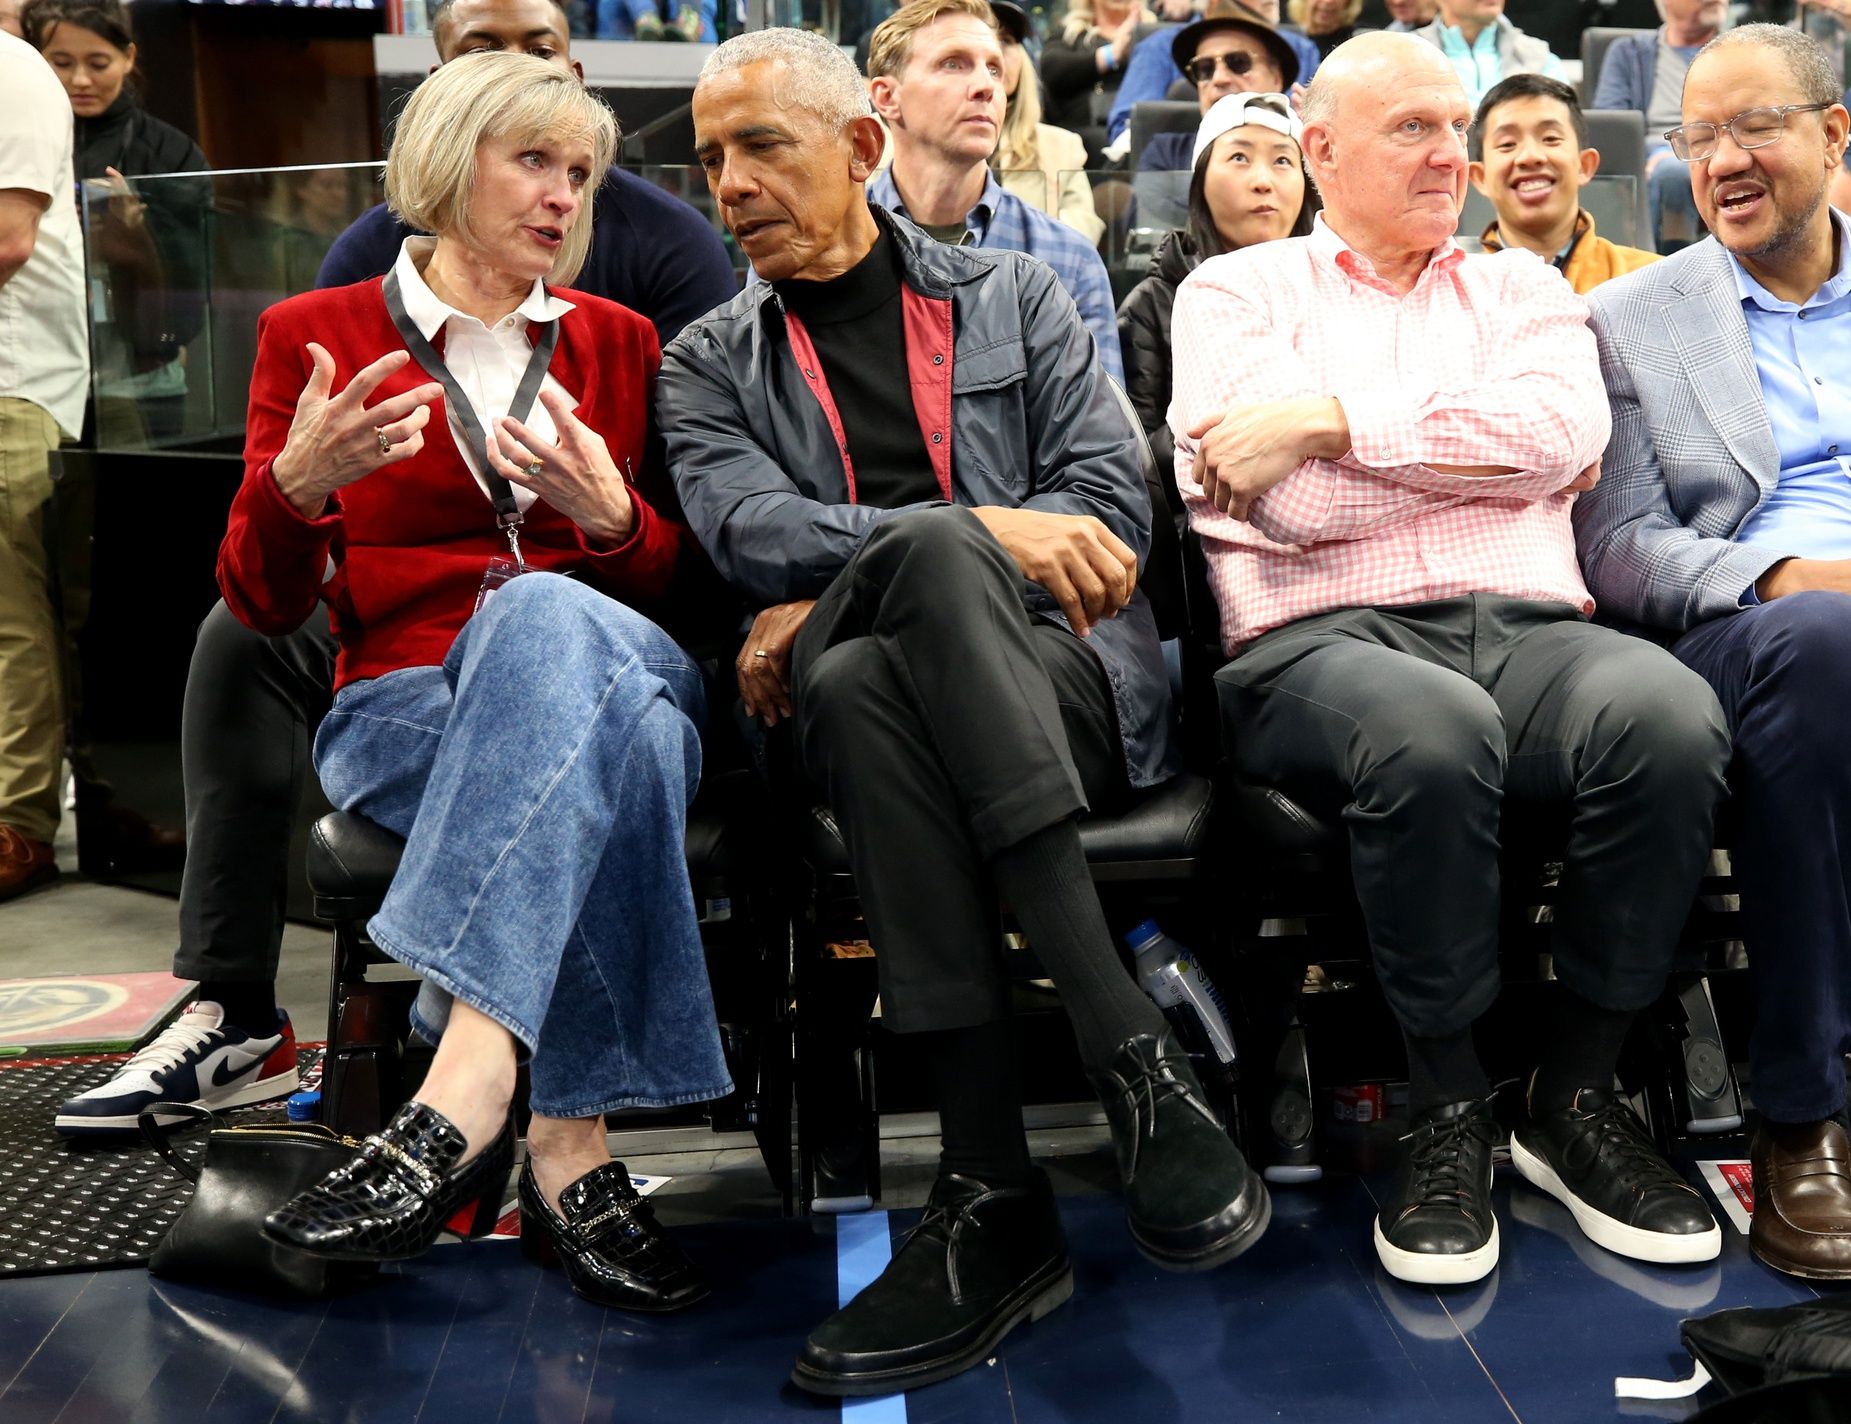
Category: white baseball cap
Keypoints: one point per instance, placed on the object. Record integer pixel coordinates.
(1233, 111)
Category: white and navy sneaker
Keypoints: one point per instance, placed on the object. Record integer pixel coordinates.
(197, 1059)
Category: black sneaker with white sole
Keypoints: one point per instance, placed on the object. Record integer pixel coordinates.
(1436, 1227)
(1596, 1159)
(198, 1059)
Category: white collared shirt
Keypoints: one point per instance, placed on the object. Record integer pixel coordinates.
(44, 338)
(487, 362)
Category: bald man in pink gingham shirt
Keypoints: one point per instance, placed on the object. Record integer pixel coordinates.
(1379, 439)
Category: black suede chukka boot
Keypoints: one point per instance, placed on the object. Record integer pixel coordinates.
(981, 1261)
(1191, 1200)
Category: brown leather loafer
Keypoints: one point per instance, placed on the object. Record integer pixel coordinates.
(1802, 1220)
(24, 863)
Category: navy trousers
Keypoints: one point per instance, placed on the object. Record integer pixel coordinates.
(1782, 672)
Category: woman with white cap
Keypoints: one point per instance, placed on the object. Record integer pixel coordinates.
(1248, 186)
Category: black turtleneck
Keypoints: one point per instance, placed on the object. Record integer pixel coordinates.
(855, 323)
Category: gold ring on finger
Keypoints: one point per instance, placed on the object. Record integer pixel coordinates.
(385, 443)
(534, 467)
(760, 653)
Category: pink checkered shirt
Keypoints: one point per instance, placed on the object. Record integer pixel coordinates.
(1488, 361)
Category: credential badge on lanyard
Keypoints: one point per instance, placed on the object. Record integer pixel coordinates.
(507, 508)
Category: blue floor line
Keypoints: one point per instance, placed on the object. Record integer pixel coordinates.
(863, 1248)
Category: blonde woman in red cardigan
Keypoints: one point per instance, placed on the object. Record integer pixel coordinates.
(459, 459)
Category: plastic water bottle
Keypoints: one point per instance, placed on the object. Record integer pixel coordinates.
(1176, 983)
(304, 1107)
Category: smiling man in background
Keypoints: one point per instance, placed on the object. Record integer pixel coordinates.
(1530, 157)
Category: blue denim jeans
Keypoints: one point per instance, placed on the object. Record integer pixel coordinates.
(541, 778)
(1668, 191)
(616, 19)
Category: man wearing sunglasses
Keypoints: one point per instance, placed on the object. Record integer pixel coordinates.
(1724, 520)
(1159, 63)
(1227, 53)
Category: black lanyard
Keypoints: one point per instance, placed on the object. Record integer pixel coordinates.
(507, 508)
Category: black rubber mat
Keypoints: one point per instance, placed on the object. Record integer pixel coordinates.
(83, 1204)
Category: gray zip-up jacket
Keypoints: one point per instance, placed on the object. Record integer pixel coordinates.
(1011, 401)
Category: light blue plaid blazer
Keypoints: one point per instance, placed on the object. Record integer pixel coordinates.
(1692, 454)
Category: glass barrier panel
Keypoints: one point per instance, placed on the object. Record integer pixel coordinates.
(1613, 200)
(1140, 208)
(182, 265)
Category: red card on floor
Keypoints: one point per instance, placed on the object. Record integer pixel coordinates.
(98, 1013)
(1734, 1186)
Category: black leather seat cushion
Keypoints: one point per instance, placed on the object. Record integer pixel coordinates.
(1167, 823)
(1271, 821)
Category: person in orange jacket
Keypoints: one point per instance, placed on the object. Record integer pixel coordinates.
(1530, 157)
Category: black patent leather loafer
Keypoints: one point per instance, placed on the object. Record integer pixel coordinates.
(982, 1261)
(1191, 1200)
(402, 1189)
(607, 1239)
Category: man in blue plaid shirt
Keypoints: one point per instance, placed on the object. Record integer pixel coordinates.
(942, 99)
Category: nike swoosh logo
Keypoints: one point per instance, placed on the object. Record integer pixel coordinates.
(228, 1070)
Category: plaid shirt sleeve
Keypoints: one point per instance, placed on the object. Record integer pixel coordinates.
(1538, 406)
(1532, 408)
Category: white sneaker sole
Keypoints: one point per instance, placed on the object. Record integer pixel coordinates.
(1662, 1248)
(256, 1091)
(1423, 1268)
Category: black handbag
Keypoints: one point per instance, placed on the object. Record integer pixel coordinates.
(247, 1173)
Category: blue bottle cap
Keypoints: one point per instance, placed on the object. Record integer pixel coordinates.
(304, 1107)
(1143, 935)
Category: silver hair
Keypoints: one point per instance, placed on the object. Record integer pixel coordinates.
(820, 77)
(1807, 61)
(1318, 104)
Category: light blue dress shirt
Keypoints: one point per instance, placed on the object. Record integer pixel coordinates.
(1479, 65)
(1803, 357)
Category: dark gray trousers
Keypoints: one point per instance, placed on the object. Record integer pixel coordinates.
(1412, 723)
(943, 723)
(251, 710)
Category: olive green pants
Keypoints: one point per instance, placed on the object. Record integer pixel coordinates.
(31, 704)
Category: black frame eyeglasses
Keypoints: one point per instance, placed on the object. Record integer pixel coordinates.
(1751, 129)
(1238, 62)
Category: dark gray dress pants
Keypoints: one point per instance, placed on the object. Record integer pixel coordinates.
(943, 723)
(251, 710)
(1412, 724)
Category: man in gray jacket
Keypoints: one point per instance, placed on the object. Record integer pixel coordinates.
(907, 455)
(1724, 521)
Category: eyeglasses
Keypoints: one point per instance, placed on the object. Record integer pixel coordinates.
(1752, 128)
(1237, 63)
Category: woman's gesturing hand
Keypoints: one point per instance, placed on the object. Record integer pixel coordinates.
(576, 475)
(337, 439)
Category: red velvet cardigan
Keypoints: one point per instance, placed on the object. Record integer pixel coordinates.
(409, 543)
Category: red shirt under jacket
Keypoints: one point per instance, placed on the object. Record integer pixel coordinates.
(410, 542)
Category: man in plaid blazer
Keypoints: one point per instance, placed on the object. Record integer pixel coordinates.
(1724, 519)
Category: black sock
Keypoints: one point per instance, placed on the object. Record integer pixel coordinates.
(979, 1102)
(1583, 1051)
(1044, 880)
(1443, 1070)
(249, 1004)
